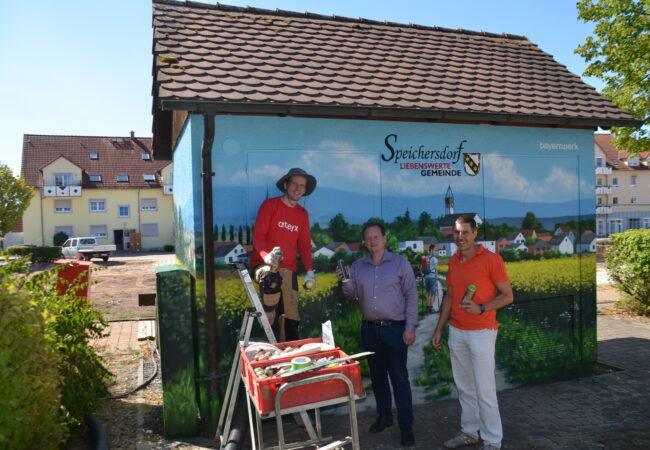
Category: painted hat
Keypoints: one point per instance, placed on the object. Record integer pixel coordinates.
(311, 180)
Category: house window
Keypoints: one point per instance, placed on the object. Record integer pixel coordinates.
(146, 156)
(124, 211)
(614, 200)
(67, 229)
(149, 177)
(599, 161)
(148, 204)
(633, 162)
(615, 225)
(122, 178)
(599, 181)
(600, 227)
(149, 230)
(97, 205)
(615, 181)
(600, 200)
(646, 222)
(95, 178)
(634, 200)
(633, 223)
(93, 155)
(99, 231)
(62, 206)
(633, 181)
(63, 179)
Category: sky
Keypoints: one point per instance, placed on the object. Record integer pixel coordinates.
(83, 67)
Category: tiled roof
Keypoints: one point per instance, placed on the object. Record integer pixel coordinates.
(219, 58)
(115, 155)
(616, 158)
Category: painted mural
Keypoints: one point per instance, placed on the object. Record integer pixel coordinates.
(531, 190)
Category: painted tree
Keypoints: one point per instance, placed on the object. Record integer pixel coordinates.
(618, 55)
(15, 196)
(531, 222)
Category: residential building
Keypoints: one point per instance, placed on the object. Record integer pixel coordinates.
(539, 247)
(562, 243)
(586, 243)
(622, 188)
(230, 252)
(106, 187)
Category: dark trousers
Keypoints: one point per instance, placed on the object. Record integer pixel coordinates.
(389, 360)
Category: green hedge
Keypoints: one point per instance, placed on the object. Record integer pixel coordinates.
(37, 254)
(628, 263)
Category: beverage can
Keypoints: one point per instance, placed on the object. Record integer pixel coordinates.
(344, 271)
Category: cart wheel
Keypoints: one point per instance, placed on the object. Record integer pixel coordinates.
(81, 257)
(104, 258)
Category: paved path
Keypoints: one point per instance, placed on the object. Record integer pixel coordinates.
(610, 411)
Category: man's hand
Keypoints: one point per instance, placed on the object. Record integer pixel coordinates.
(409, 338)
(273, 257)
(309, 282)
(435, 340)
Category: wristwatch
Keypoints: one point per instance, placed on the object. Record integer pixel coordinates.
(482, 308)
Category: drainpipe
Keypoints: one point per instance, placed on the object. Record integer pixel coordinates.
(208, 250)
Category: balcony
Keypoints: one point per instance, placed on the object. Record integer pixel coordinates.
(603, 190)
(603, 210)
(603, 170)
(62, 191)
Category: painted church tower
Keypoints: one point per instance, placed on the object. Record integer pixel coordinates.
(449, 201)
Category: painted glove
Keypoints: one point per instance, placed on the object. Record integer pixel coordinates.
(310, 282)
(273, 257)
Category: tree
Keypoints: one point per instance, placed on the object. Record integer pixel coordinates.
(531, 222)
(338, 228)
(618, 55)
(15, 196)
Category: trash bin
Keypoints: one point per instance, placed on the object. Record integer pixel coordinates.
(71, 272)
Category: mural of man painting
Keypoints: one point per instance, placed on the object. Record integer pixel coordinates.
(282, 225)
(478, 285)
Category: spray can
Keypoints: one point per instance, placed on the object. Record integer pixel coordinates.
(344, 272)
(469, 294)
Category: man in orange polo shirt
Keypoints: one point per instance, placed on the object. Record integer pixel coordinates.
(473, 334)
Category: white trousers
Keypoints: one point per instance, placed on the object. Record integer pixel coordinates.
(472, 363)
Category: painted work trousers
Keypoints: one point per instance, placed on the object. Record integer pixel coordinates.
(389, 361)
(472, 363)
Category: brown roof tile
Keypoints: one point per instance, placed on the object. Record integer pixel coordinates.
(604, 142)
(230, 55)
(116, 155)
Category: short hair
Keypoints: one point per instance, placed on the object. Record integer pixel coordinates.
(371, 224)
(467, 218)
(432, 246)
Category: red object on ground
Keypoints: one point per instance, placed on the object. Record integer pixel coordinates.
(264, 391)
(72, 272)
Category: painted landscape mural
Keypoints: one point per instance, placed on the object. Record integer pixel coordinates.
(530, 189)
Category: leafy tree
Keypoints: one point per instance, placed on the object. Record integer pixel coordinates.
(403, 227)
(223, 232)
(59, 238)
(531, 222)
(628, 264)
(338, 228)
(530, 241)
(15, 196)
(231, 233)
(248, 234)
(240, 234)
(425, 224)
(618, 55)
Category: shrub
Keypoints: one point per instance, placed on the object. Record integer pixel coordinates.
(71, 324)
(38, 254)
(59, 238)
(30, 411)
(168, 248)
(628, 264)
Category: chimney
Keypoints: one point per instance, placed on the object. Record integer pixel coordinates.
(132, 134)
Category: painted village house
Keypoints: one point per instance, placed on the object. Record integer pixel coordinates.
(622, 188)
(102, 186)
(388, 117)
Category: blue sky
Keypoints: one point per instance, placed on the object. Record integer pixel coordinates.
(84, 67)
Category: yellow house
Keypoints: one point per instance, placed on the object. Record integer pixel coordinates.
(107, 187)
(622, 188)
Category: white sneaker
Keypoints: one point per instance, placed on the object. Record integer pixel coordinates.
(461, 440)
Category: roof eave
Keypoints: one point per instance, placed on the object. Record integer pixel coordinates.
(211, 107)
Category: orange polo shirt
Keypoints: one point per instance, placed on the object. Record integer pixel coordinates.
(484, 270)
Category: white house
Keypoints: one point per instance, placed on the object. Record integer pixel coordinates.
(562, 243)
(520, 247)
(229, 252)
(324, 251)
(516, 237)
(416, 246)
(587, 243)
(489, 245)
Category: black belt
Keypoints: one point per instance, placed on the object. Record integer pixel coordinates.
(383, 323)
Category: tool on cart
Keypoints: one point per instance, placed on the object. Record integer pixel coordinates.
(320, 365)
